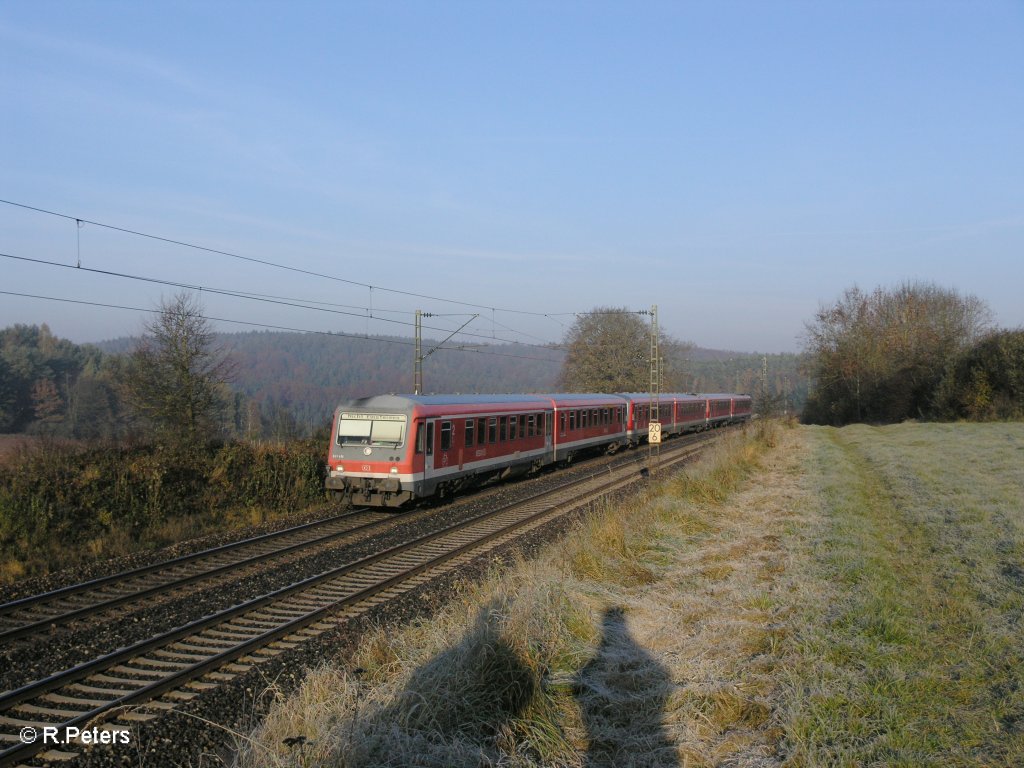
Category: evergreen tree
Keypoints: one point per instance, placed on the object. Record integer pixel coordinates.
(176, 377)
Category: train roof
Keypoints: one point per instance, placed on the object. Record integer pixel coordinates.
(582, 398)
(562, 399)
(404, 401)
(662, 395)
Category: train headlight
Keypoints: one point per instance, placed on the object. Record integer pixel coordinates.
(394, 470)
(338, 470)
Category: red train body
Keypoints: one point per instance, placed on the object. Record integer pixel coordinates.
(390, 449)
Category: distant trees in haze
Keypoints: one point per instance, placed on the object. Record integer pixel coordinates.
(903, 353)
(286, 384)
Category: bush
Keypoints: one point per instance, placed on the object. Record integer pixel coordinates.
(54, 492)
(987, 382)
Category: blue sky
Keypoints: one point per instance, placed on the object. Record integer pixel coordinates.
(735, 163)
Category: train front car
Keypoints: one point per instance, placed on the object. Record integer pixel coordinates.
(371, 457)
(390, 449)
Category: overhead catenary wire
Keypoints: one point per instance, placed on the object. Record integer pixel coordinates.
(278, 300)
(81, 222)
(266, 262)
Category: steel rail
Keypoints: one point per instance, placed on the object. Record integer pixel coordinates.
(101, 581)
(46, 623)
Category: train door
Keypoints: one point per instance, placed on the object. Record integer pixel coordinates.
(428, 449)
(547, 429)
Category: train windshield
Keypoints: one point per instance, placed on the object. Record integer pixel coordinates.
(380, 429)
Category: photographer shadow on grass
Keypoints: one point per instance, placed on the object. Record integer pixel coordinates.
(459, 708)
(622, 693)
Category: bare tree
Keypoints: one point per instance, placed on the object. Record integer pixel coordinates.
(177, 377)
(608, 350)
(880, 356)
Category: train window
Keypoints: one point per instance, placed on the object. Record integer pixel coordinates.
(470, 429)
(545, 424)
(430, 438)
(374, 429)
(522, 425)
(446, 435)
(531, 425)
(492, 430)
(419, 437)
(561, 423)
(481, 431)
(503, 428)
(572, 420)
(512, 421)
(594, 418)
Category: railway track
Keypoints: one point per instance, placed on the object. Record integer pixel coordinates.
(138, 683)
(44, 612)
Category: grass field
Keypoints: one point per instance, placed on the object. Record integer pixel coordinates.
(804, 597)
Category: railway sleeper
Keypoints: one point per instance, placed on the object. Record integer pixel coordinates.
(79, 701)
(35, 709)
(21, 722)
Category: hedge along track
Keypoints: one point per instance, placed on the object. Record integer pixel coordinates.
(41, 613)
(139, 682)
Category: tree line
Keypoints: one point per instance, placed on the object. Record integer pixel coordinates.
(916, 351)
(271, 385)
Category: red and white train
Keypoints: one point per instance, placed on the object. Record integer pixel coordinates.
(387, 450)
